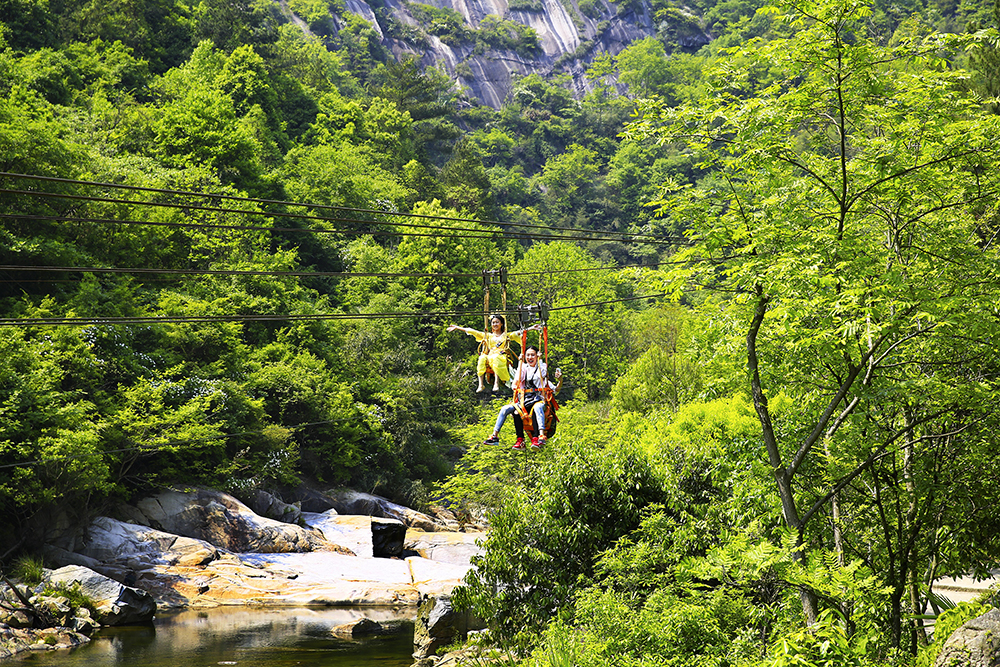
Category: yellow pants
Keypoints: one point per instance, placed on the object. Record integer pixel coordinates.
(498, 362)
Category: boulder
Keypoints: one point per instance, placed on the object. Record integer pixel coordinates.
(387, 537)
(351, 533)
(309, 500)
(974, 644)
(115, 603)
(14, 640)
(366, 536)
(439, 625)
(457, 548)
(135, 547)
(363, 627)
(272, 507)
(223, 521)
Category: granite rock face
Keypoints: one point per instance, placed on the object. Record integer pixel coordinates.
(570, 35)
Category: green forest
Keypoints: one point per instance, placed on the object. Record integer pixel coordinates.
(232, 249)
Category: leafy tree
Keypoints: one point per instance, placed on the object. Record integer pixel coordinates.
(589, 339)
(846, 215)
(361, 45)
(544, 540)
(642, 67)
(230, 24)
(201, 129)
(663, 375)
(32, 140)
(29, 24)
(50, 433)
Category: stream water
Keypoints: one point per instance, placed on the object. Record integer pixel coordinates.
(280, 637)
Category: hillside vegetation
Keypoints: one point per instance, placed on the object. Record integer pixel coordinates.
(231, 251)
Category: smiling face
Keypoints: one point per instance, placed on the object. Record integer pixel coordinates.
(497, 324)
(531, 356)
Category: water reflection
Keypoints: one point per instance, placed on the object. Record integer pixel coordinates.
(241, 636)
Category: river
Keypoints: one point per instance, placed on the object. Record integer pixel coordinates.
(247, 637)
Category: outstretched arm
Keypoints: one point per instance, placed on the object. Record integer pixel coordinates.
(519, 332)
(478, 335)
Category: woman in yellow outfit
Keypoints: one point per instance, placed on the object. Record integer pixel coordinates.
(493, 350)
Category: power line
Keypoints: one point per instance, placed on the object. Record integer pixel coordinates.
(473, 233)
(299, 274)
(298, 204)
(318, 317)
(231, 272)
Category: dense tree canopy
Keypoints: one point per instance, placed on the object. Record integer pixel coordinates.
(767, 264)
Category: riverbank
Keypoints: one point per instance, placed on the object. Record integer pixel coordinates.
(203, 548)
(199, 548)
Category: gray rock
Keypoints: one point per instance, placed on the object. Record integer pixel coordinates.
(309, 500)
(137, 547)
(15, 640)
(439, 625)
(347, 501)
(457, 548)
(222, 520)
(116, 604)
(387, 537)
(363, 627)
(974, 644)
(272, 507)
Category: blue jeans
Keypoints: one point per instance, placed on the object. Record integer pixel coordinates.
(538, 409)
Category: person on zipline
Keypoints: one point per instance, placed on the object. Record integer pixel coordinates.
(493, 349)
(533, 378)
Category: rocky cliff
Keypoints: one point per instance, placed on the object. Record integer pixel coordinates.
(483, 45)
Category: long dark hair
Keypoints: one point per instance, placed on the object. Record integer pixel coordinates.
(503, 322)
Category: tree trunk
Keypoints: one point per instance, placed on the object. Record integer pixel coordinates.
(782, 476)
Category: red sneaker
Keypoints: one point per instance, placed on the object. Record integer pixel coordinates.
(534, 443)
(519, 444)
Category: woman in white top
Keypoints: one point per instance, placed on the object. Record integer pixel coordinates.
(533, 377)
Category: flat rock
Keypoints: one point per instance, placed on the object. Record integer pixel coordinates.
(456, 548)
(349, 531)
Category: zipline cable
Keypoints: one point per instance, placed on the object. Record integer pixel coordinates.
(283, 203)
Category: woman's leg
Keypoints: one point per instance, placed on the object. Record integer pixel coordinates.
(505, 412)
(498, 362)
(481, 371)
(539, 410)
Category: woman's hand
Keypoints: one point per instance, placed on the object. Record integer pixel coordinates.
(454, 327)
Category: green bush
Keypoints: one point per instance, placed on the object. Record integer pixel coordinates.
(544, 540)
(443, 22)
